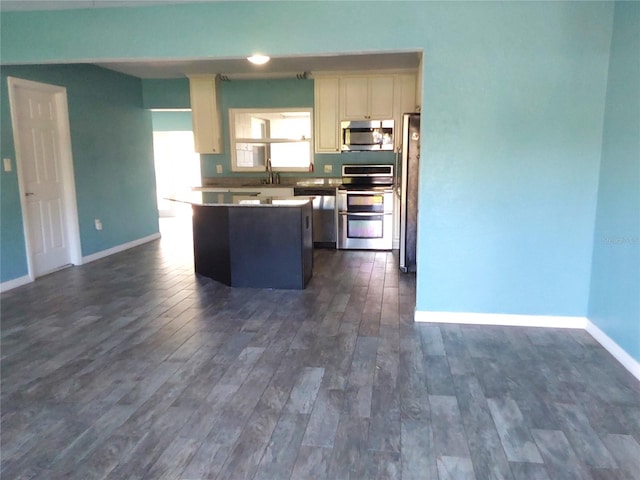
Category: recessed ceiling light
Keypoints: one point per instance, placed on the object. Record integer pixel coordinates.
(258, 59)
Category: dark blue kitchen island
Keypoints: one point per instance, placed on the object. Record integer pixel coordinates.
(245, 240)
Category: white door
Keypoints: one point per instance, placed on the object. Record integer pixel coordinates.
(43, 154)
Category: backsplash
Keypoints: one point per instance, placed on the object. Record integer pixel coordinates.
(335, 161)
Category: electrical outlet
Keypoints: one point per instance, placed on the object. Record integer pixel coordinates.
(218, 168)
(7, 164)
(98, 223)
(328, 168)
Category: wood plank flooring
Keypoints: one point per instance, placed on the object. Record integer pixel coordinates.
(131, 367)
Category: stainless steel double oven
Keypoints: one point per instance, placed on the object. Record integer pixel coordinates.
(365, 207)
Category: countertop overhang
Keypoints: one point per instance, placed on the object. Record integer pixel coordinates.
(232, 199)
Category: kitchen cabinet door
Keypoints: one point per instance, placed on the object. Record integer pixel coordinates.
(276, 192)
(405, 94)
(327, 114)
(367, 97)
(404, 102)
(206, 114)
(381, 97)
(355, 98)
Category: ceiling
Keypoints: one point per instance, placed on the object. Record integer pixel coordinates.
(233, 68)
(278, 67)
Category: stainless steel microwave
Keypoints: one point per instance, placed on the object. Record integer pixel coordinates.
(367, 135)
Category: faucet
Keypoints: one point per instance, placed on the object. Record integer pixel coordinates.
(269, 171)
(271, 177)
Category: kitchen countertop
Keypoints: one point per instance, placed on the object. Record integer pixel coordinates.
(230, 199)
(239, 182)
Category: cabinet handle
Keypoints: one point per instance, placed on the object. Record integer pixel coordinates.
(28, 194)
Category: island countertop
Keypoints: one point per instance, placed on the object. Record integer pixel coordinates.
(259, 182)
(236, 199)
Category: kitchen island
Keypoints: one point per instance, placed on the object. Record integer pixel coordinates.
(245, 240)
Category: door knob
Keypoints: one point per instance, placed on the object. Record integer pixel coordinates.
(29, 193)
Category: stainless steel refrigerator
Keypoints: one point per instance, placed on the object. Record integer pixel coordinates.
(407, 167)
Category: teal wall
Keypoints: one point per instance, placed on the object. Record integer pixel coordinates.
(170, 99)
(274, 93)
(511, 138)
(513, 106)
(13, 256)
(615, 283)
(112, 158)
(280, 93)
(176, 121)
(166, 93)
(285, 93)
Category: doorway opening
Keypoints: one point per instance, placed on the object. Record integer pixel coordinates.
(177, 164)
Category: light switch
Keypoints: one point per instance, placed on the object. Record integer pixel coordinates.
(328, 168)
(218, 168)
(6, 162)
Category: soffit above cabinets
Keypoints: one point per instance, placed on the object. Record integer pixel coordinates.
(278, 67)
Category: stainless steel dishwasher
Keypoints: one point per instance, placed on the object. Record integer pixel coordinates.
(324, 213)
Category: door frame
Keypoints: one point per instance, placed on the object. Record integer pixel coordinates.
(72, 228)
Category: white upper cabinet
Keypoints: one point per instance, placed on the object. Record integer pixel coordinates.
(327, 114)
(355, 98)
(206, 113)
(360, 97)
(367, 97)
(405, 95)
(405, 102)
(381, 97)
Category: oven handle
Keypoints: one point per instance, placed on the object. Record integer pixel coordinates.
(364, 192)
(364, 214)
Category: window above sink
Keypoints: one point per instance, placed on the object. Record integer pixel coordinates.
(280, 135)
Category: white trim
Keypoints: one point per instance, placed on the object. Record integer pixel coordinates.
(627, 361)
(68, 178)
(68, 175)
(501, 319)
(233, 139)
(119, 248)
(15, 283)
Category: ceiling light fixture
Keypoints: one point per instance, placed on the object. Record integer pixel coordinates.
(258, 59)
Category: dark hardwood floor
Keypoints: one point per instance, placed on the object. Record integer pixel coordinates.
(131, 367)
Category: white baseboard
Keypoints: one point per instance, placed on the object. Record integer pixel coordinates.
(15, 283)
(626, 360)
(119, 248)
(501, 319)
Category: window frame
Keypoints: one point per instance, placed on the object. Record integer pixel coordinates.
(233, 140)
